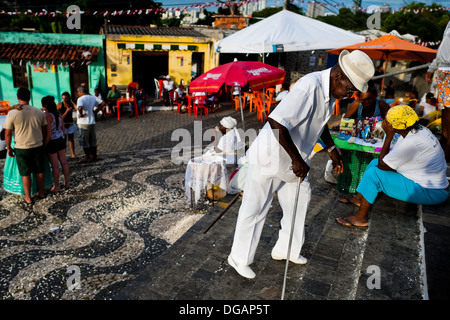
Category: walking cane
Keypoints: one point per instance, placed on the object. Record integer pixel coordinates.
(290, 237)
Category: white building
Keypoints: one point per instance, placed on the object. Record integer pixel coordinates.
(315, 9)
(248, 8)
(171, 14)
(191, 17)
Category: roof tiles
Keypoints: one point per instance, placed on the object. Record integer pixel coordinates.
(153, 31)
(55, 52)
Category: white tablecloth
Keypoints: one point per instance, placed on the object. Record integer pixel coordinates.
(204, 170)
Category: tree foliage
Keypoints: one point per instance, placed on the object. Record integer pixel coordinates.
(267, 12)
(347, 19)
(427, 25)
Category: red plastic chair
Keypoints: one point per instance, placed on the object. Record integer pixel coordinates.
(201, 104)
(144, 99)
(175, 101)
(172, 99)
(262, 111)
(214, 103)
(131, 87)
(236, 102)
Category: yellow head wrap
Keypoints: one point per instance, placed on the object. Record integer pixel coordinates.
(401, 117)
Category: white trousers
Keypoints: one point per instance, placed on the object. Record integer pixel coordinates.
(256, 201)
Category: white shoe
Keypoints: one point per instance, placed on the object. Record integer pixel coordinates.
(244, 271)
(276, 255)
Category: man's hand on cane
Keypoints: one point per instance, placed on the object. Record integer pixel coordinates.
(300, 168)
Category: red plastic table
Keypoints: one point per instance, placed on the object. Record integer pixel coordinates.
(125, 100)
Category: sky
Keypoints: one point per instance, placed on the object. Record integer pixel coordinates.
(395, 4)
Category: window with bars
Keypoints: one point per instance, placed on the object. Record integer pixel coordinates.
(20, 76)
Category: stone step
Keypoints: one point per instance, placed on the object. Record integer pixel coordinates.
(393, 265)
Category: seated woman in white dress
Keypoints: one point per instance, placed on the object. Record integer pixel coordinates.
(215, 166)
(230, 140)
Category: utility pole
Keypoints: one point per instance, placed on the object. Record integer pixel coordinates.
(285, 4)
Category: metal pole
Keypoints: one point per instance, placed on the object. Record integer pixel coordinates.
(401, 71)
(242, 112)
(382, 80)
(264, 93)
(290, 237)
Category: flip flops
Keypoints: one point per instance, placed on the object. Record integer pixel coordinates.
(350, 224)
(347, 201)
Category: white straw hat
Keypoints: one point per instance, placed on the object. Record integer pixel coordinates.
(358, 68)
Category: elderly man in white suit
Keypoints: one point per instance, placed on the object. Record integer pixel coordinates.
(279, 157)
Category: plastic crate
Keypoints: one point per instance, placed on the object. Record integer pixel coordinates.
(355, 164)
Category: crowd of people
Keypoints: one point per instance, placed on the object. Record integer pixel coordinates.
(36, 141)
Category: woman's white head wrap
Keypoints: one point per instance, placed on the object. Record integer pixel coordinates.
(228, 122)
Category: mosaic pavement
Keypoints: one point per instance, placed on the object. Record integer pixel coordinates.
(86, 242)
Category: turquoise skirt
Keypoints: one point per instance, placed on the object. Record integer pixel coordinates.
(397, 186)
(12, 180)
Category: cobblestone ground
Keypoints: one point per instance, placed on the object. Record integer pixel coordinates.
(120, 212)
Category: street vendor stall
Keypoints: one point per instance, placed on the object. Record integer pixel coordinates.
(359, 142)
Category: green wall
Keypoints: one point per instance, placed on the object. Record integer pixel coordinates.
(6, 84)
(51, 83)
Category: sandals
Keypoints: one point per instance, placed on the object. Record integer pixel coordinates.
(350, 224)
(347, 201)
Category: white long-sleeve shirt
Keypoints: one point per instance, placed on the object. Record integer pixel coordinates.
(442, 59)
